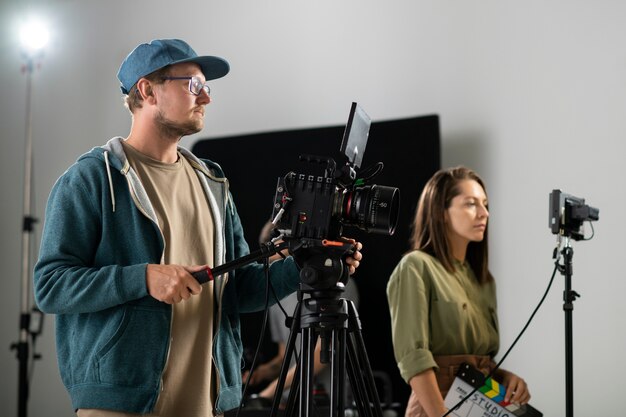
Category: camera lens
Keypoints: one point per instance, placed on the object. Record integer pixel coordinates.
(373, 208)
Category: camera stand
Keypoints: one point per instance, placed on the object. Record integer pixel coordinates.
(323, 314)
(335, 321)
(569, 296)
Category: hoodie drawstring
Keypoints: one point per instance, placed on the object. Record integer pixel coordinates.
(106, 160)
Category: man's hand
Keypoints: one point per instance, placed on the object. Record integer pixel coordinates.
(263, 372)
(353, 260)
(172, 283)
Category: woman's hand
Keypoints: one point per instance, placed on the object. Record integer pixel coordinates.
(516, 388)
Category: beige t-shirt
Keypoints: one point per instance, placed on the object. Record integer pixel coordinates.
(187, 225)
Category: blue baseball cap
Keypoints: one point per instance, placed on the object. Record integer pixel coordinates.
(149, 57)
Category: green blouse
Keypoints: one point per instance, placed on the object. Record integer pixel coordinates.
(435, 312)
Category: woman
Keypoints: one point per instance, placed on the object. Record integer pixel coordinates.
(442, 297)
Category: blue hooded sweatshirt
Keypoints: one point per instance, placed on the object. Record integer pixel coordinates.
(112, 336)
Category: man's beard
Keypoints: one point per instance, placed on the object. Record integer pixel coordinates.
(172, 129)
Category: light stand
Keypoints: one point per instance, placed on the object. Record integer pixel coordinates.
(569, 296)
(27, 333)
(567, 213)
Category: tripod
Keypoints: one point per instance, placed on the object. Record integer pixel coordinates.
(322, 314)
(335, 321)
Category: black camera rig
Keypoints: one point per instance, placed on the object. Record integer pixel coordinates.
(308, 216)
(317, 207)
(310, 211)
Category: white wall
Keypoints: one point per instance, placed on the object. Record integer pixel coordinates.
(531, 94)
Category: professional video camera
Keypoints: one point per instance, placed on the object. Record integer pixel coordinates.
(568, 213)
(310, 210)
(309, 214)
(310, 206)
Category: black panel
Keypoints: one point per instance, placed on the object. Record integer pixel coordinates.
(410, 150)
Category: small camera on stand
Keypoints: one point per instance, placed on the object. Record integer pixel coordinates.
(566, 218)
(568, 213)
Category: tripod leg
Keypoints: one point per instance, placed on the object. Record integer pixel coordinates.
(360, 372)
(338, 379)
(307, 361)
(284, 367)
(294, 390)
(300, 392)
(336, 321)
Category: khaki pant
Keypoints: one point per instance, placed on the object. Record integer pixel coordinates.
(448, 367)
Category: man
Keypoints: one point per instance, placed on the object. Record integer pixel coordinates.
(126, 225)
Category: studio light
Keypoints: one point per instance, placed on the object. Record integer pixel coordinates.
(34, 37)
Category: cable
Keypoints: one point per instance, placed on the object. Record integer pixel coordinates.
(458, 404)
(375, 170)
(593, 232)
(262, 334)
(269, 287)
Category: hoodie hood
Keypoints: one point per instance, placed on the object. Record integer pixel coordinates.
(117, 158)
(113, 155)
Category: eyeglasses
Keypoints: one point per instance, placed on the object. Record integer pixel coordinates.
(195, 85)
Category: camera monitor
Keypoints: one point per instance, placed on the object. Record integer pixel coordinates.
(355, 135)
(567, 214)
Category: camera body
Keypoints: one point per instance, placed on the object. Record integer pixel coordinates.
(308, 206)
(568, 213)
(317, 207)
(310, 210)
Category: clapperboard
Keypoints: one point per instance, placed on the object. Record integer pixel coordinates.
(487, 401)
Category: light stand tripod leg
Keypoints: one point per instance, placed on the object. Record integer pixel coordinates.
(23, 353)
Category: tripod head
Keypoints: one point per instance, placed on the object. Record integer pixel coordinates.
(322, 262)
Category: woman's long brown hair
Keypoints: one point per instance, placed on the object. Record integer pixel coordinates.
(429, 227)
